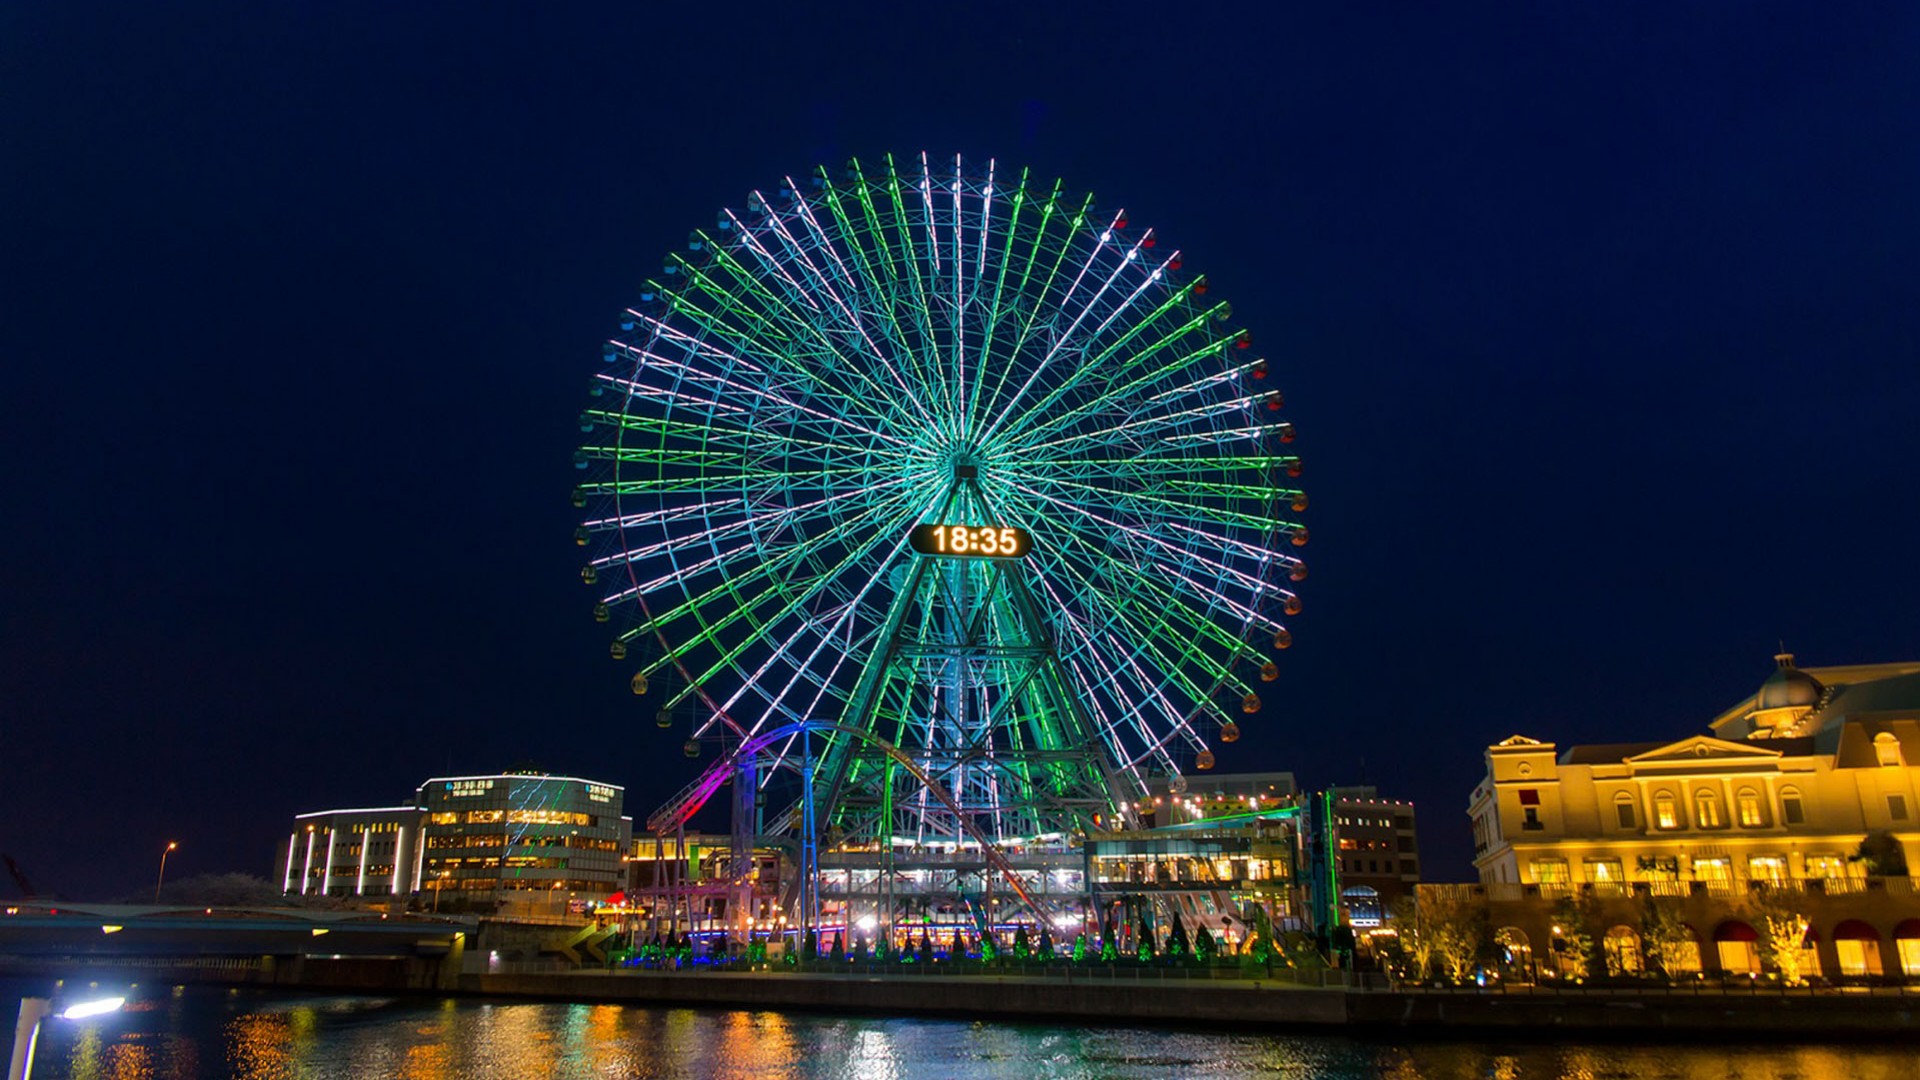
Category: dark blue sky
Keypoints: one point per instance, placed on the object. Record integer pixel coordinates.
(1599, 324)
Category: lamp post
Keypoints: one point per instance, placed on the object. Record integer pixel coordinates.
(26, 1031)
(439, 882)
(162, 880)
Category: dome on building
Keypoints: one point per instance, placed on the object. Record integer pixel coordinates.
(1788, 688)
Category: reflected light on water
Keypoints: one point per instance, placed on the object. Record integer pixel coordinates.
(873, 1057)
(212, 1035)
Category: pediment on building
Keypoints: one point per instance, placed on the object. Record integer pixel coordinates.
(1704, 748)
(1517, 740)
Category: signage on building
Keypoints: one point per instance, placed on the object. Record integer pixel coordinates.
(460, 788)
(599, 793)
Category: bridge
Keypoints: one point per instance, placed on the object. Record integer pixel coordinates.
(279, 946)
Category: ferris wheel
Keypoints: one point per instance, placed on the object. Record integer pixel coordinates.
(876, 407)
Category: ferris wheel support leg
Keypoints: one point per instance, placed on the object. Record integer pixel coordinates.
(809, 847)
(740, 899)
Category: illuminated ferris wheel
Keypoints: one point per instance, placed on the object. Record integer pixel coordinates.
(874, 445)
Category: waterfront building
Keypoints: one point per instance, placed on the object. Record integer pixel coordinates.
(1803, 795)
(530, 839)
(1372, 849)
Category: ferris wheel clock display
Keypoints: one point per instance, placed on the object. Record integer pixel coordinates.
(968, 473)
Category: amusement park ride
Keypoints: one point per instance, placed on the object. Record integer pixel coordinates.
(951, 516)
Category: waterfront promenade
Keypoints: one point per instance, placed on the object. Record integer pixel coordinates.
(348, 952)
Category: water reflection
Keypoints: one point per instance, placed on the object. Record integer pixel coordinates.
(246, 1036)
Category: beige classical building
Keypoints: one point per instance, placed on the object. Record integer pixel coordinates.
(1779, 797)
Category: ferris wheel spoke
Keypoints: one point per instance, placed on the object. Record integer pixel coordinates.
(719, 434)
(763, 352)
(717, 384)
(855, 326)
(1078, 373)
(746, 552)
(1190, 417)
(799, 325)
(709, 632)
(1138, 503)
(994, 310)
(770, 522)
(1164, 606)
(1061, 340)
(1129, 661)
(871, 281)
(1189, 335)
(1062, 336)
(922, 301)
(1167, 602)
(1034, 300)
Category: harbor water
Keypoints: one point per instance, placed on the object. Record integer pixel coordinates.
(206, 1033)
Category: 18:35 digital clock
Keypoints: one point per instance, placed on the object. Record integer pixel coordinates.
(971, 541)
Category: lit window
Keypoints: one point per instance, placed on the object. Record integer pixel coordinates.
(1749, 809)
(1706, 810)
(1767, 868)
(1717, 868)
(1550, 871)
(1826, 866)
(1604, 870)
(1664, 814)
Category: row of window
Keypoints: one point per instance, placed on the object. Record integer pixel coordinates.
(516, 817)
(1376, 822)
(1557, 871)
(1377, 866)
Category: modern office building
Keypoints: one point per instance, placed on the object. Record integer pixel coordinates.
(467, 839)
(1367, 848)
(1806, 792)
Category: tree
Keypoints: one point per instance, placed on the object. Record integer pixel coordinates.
(1783, 934)
(1177, 944)
(1416, 944)
(1046, 942)
(1442, 930)
(1666, 939)
(926, 946)
(1572, 942)
(1109, 948)
(1144, 950)
(958, 949)
(220, 890)
(1203, 945)
(881, 948)
(989, 948)
(1080, 948)
(1883, 855)
(1022, 947)
(838, 951)
(860, 950)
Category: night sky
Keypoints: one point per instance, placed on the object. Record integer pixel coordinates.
(1598, 322)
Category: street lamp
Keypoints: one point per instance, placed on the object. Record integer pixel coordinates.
(439, 882)
(26, 1031)
(162, 880)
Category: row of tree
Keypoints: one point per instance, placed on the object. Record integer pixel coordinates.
(1443, 933)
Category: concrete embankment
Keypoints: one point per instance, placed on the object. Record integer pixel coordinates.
(1731, 1014)
(1104, 1001)
(1886, 1015)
